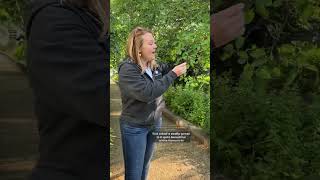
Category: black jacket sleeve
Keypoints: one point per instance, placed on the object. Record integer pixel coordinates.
(165, 67)
(67, 65)
(136, 86)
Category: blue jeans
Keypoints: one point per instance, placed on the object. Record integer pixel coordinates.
(138, 146)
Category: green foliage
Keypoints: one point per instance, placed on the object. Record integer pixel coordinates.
(12, 16)
(264, 136)
(266, 105)
(190, 103)
(11, 11)
(181, 28)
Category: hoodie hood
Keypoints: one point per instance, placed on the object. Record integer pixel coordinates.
(34, 7)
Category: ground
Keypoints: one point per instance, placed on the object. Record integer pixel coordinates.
(18, 128)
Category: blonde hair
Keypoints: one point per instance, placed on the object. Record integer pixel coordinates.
(134, 43)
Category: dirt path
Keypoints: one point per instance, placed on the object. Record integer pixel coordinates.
(18, 129)
(171, 161)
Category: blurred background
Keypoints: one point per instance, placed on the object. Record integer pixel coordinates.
(266, 94)
(18, 129)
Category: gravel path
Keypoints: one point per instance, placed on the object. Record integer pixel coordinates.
(18, 129)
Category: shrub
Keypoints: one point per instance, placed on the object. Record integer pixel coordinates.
(264, 136)
(191, 104)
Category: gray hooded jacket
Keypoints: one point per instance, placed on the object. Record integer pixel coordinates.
(141, 95)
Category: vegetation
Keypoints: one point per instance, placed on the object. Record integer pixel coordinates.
(266, 93)
(11, 11)
(12, 16)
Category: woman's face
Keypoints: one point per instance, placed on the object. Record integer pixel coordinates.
(148, 49)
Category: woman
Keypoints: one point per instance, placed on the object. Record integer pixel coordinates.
(142, 82)
(67, 55)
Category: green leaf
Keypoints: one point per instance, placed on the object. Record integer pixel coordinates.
(249, 16)
(228, 52)
(262, 11)
(307, 11)
(263, 3)
(276, 72)
(243, 57)
(247, 72)
(225, 56)
(287, 49)
(277, 3)
(259, 62)
(229, 48)
(4, 14)
(311, 67)
(291, 77)
(242, 61)
(263, 74)
(258, 53)
(268, 3)
(239, 42)
(261, 7)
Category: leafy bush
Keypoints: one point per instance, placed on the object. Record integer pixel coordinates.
(191, 104)
(264, 136)
(12, 12)
(182, 32)
(181, 29)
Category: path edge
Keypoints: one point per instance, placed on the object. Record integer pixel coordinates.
(200, 135)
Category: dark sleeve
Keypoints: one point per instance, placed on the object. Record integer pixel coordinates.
(165, 67)
(134, 85)
(67, 65)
